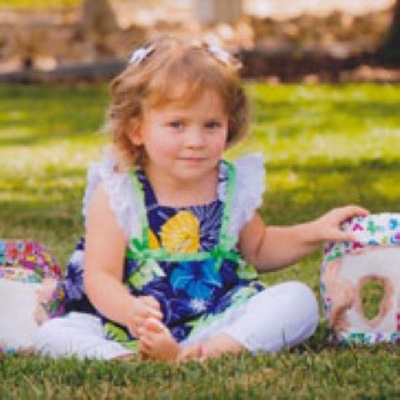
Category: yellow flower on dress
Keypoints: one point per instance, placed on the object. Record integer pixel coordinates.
(181, 234)
(153, 241)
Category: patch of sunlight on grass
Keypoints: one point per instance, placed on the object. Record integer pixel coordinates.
(286, 180)
(32, 197)
(331, 145)
(387, 133)
(57, 155)
(14, 135)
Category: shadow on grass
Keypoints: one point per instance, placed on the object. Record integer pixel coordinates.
(370, 183)
(39, 115)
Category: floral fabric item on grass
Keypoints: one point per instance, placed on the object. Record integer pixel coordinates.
(347, 269)
(31, 291)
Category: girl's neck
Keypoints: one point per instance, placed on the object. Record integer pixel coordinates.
(177, 194)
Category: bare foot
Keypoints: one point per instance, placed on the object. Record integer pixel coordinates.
(219, 345)
(191, 353)
(156, 341)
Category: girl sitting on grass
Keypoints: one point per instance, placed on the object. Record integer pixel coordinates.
(172, 230)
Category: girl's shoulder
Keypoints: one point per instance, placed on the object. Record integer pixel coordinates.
(119, 189)
(249, 170)
(248, 190)
(250, 164)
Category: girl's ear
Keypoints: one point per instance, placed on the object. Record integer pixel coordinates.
(135, 132)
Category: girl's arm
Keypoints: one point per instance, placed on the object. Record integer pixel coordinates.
(104, 262)
(273, 247)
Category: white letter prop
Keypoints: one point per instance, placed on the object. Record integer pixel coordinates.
(31, 291)
(348, 266)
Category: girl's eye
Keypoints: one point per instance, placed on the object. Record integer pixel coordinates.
(176, 124)
(213, 125)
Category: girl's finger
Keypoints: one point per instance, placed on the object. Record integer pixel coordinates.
(156, 314)
(151, 302)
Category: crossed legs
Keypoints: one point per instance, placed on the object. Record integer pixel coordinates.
(156, 342)
(281, 316)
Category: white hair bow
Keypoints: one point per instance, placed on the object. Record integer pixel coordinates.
(140, 54)
(219, 53)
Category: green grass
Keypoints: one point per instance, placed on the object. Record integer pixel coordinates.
(372, 293)
(324, 146)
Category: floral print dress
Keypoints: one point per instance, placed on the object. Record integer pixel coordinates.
(184, 257)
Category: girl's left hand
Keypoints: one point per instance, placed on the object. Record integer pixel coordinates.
(328, 226)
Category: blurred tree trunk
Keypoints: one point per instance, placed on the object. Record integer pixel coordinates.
(217, 11)
(389, 51)
(98, 17)
(98, 24)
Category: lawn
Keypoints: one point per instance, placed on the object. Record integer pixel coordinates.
(324, 146)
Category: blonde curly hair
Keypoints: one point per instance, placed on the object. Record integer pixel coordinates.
(172, 70)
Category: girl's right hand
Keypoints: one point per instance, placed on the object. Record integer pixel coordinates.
(143, 308)
(328, 226)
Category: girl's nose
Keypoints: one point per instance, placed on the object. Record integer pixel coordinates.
(195, 138)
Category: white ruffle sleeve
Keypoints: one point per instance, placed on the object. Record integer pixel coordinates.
(249, 190)
(119, 189)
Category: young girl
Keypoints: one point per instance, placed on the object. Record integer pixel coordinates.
(172, 231)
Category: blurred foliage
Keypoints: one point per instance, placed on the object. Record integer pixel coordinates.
(39, 3)
(55, 3)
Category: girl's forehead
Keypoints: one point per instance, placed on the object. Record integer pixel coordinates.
(183, 100)
(208, 100)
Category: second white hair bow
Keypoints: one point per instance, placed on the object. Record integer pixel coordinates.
(140, 54)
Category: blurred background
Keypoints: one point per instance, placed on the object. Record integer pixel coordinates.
(307, 41)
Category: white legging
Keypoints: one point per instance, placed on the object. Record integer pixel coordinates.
(281, 316)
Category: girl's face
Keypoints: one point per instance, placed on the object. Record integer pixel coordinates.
(184, 142)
